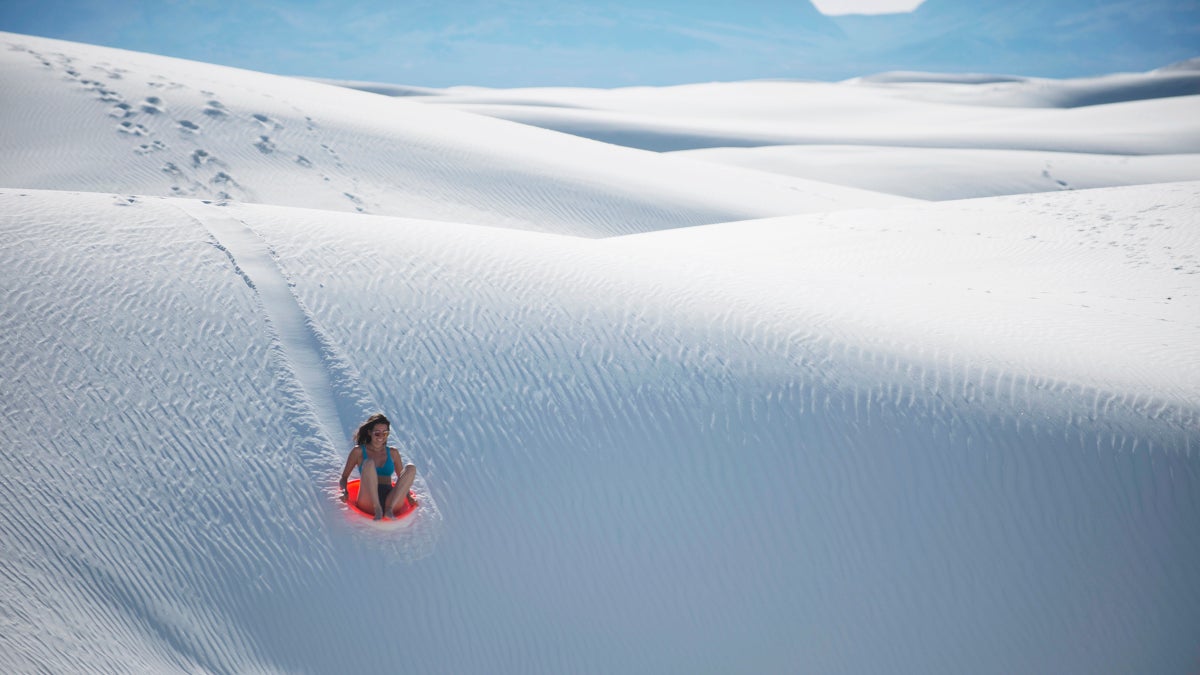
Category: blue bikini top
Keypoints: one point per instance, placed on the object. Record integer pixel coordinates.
(385, 471)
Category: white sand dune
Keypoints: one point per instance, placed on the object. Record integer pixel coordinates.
(1025, 115)
(972, 135)
(776, 427)
(1035, 92)
(118, 121)
(957, 173)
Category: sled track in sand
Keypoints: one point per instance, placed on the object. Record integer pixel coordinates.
(328, 383)
(298, 337)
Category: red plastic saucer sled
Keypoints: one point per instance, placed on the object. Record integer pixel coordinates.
(405, 508)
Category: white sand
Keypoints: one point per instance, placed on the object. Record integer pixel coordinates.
(921, 135)
(777, 426)
(960, 173)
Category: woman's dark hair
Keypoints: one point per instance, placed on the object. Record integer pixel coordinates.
(363, 435)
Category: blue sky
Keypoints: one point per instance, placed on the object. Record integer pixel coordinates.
(421, 42)
(616, 42)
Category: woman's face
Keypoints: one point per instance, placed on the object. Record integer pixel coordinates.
(379, 433)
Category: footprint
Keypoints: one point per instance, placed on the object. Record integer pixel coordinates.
(264, 145)
(103, 93)
(337, 160)
(147, 148)
(162, 83)
(215, 109)
(222, 178)
(152, 105)
(132, 129)
(113, 73)
(21, 48)
(187, 126)
(358, 203)
(267, 121)
(303, 161)
(203, 158)
(121, 111)
(1062, 184)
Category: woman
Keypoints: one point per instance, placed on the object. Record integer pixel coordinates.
(376, 462)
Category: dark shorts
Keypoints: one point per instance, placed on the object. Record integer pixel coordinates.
(385, 489)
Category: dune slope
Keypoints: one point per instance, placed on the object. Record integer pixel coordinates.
(923, 135)
(634, 454)
(81, 117)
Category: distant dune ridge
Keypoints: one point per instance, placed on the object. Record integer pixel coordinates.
(735, 377)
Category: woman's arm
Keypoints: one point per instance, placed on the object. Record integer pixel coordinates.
(397, 460)
(350, 464)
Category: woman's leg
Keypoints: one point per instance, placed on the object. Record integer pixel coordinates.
(368, 490)
(404, 481)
